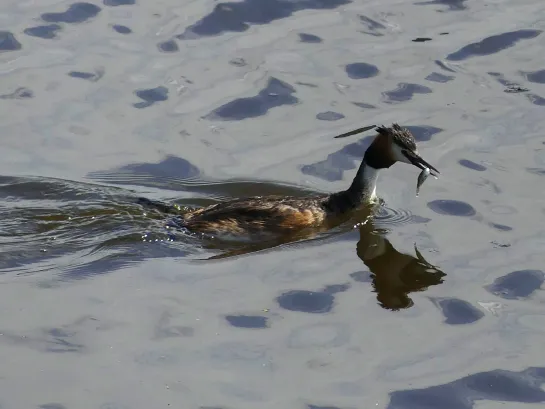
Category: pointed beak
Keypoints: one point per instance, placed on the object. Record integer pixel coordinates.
(417, 161)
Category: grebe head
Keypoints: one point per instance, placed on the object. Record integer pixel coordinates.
(395, 144)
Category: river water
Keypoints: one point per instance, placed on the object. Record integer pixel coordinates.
(435, 303)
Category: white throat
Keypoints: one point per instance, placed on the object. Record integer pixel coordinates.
(364, 185)
(369, 178)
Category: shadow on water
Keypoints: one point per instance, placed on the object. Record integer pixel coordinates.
(493, 44)
(75, 13)
(177, 174)
(453, 5)
(496, 386)
(8, 42)
(239, 16)
(276, 93)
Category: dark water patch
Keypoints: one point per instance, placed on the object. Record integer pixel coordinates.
(170, 170)
(363, 105)
(309, 38)
(306, 84)
(275, 94)
(452, 208)
(518, 284)
(472, 165)
(151, 96)
(313, 302)
(493, 44)
(536, 99)
(501, 227)
(8, 42)
(19, 93)
(121, 29)
(437, 77)
(47, 31)
(423, 133)
(238, 62)
(247, 321)
(536, 171)
(443, 66)
(89, 76)
(322, 407)
(76, 13)
(453, 5)
(497, 244)
(510, 86)
(500, 78)
(32, 189)
(498, 386)
(169, 46)
(405, 92)
(372, 27)
(515, 89)
(336, 288)
(535, 76)
(362, 276)
(458, 312)
(421, 39)
(115, 3)
(329, 116)
(360, 70)
(239, 16)
(336, 163)
(52, 406)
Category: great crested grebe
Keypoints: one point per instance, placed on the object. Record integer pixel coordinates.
(280, 215)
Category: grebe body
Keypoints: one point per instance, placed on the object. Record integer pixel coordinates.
(279, 215)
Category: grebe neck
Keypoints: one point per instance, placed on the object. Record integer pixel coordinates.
(364, 185)
(361, 191)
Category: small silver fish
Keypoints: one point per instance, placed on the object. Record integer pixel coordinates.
(421, 179)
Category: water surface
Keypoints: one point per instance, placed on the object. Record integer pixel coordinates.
(435, 302)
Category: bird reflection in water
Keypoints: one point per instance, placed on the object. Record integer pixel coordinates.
(394, 275)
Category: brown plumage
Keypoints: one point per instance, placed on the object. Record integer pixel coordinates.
(278, 215)
(255, 216)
